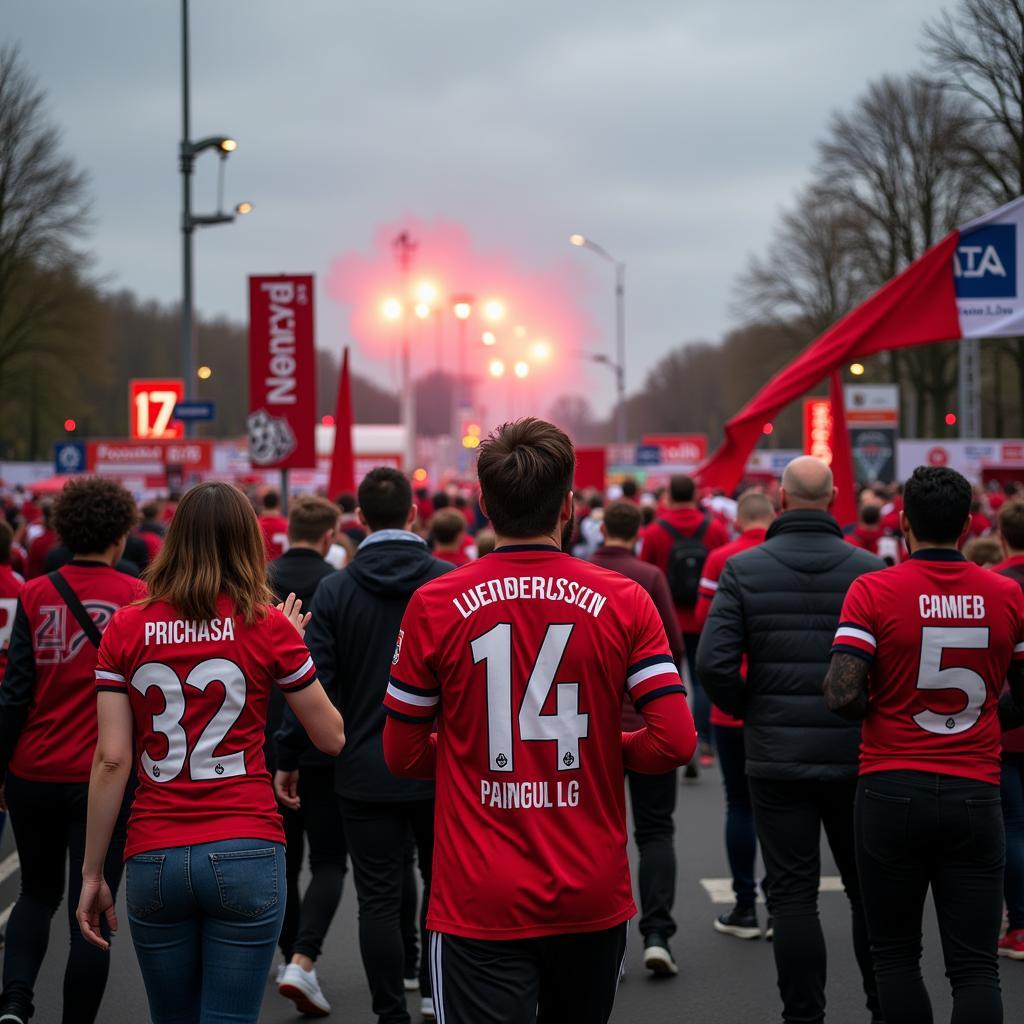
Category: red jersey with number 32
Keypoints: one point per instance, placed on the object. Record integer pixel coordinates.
(199, 694)
(523, 656)
(940, 633)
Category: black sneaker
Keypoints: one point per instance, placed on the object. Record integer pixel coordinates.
(740, 921)
(769, 931)
(692, 771)
(658, 957)
(15, 1011)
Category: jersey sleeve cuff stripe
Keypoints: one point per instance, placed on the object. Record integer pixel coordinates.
(414, 699)
(857, 652)
(111, 688)
(662, 691)
(402, 717)
(418, 691)
(855, 633)
(662, 665)
(301, 685)
(114, 677)
(295, 676)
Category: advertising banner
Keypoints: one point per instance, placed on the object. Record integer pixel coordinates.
(147, 458)
(151, 405)
(282, 383)
(678, 449)
(818, 429)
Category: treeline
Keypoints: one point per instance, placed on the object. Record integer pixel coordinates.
(913, 158)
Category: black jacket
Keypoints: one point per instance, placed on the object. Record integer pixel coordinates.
(779, 604)
(356, 616)
(298, 571)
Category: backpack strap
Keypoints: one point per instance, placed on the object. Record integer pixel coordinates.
(671, 531)
(76, 607)
(702, 529)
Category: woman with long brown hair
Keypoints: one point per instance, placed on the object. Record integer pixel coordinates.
(186, 675)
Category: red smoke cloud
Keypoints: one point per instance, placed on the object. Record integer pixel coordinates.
(546, 301)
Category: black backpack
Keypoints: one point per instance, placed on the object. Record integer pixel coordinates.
(685, 563)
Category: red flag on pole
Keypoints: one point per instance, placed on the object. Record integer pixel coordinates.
(343, 463)
(845, 508)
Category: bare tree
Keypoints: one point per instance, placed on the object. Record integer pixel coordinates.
(897, 162)
(978, 52)
(43, 212)
(810, 276)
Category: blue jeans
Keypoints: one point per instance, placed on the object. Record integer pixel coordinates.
(205, 921)
(1012, 792)
(740, 835)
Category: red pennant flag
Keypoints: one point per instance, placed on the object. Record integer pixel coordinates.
(916, 308)
(845, 507)
(343, 463)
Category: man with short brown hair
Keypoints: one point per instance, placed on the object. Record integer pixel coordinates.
(523, 657)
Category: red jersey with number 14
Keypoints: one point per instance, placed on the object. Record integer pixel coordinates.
(524, 656)
(940, 633)
(199, 694)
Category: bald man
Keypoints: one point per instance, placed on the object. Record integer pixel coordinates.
(778, 605)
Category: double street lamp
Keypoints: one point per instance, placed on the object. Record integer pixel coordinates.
(619, 364)
(187, 153)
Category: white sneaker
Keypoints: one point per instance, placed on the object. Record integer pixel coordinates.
(658, 960)
(427, 1008)
(411, 984)
(279, 974)
(302, 988)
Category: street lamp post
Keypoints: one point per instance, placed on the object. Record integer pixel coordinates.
(621, 420)
(189, 150)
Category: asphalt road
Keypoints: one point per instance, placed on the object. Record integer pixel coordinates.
(722, 980)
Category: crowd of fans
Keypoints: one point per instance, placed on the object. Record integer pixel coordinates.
(673, 540)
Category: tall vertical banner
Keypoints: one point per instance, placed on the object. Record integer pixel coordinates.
(282, 375)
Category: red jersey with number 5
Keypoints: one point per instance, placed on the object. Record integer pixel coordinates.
(199, 694)
(524, 656)
(940, 633)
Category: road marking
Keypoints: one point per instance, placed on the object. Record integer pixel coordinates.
(719, 890)
(8, 866)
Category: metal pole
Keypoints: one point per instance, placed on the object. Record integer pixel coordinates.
(969, 389)
(620, 351)
(187, 336)
(404, 248)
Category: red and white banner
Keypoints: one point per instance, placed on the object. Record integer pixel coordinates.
(970, 285)
(147, 458)
(818, 429)
(679, 449)
(282, 372)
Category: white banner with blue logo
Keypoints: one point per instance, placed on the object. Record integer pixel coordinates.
(988, 272)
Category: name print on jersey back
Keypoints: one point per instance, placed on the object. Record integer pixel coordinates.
(940, 633)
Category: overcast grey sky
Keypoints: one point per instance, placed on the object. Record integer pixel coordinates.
(672, 131)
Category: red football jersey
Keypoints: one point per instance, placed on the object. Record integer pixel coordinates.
(199, 695)
(58, 739)
(524, 656)
(275, 535)
(10, 587)
(940, 633)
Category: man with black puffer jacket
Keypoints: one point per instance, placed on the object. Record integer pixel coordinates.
(357, 614)
(778, 604)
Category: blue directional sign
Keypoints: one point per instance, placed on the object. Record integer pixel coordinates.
(648, 455)
(68, 457)
(194, 411)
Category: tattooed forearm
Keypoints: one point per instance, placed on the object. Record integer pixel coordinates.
(846, 686)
